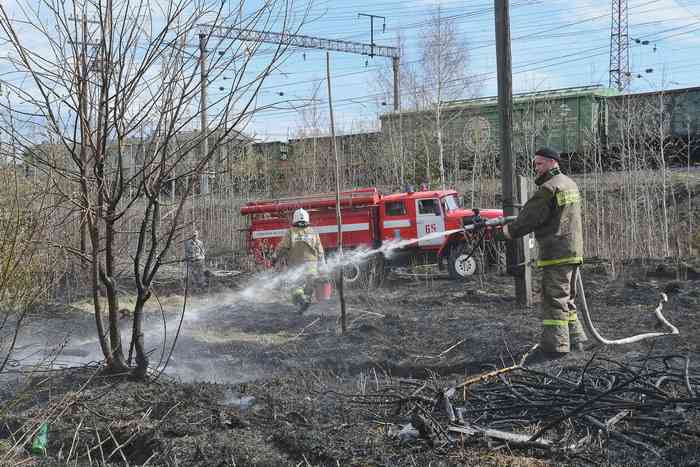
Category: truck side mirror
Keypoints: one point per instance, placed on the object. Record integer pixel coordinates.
(436, 208)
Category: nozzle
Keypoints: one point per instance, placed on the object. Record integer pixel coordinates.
(480, 223)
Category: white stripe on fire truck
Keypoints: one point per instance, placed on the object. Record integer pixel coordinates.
(325, 229)
(399, 223)
(269, 233)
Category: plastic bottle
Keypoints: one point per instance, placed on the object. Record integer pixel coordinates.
(40, 440)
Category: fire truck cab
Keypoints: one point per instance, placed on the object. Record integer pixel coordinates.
(405, 228)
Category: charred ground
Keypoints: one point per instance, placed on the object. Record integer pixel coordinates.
(314, 388)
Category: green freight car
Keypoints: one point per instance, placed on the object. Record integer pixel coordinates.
(566, 119)
(642, 124)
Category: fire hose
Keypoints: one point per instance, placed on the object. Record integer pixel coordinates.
(627, 340)
(588, 321)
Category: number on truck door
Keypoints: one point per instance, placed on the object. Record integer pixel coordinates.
(429, 220)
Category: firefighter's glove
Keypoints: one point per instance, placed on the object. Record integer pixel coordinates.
(502, 234)
(476, 224)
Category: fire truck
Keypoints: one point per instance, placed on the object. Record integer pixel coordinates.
(428, 225)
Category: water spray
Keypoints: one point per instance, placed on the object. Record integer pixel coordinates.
(267, 284)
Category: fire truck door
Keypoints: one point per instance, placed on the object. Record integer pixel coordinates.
(429, 221)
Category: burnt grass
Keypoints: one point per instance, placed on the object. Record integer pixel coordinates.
(433, 330)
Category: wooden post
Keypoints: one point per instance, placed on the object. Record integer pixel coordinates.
(523, 274)
(338, 216)
(505, 107)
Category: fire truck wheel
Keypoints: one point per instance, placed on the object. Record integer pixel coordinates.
(459, 265)
(351, 273)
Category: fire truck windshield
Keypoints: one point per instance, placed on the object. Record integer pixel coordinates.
(450, 203)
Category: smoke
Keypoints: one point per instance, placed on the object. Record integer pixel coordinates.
(57, 343)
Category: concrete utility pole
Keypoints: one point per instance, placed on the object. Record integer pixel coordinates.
(308, 42)
(505, 107)
(204, 178)
(523, 272)
(396, 67)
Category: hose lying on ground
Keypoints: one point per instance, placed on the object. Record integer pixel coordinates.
(627, 340)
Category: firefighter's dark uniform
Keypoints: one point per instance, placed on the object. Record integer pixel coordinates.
(554, 215)
(303, 250)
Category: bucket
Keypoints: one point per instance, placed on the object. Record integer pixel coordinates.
(323, 291)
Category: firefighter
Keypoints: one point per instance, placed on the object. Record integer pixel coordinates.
(554, 215)
(302, 249)
(194, 258)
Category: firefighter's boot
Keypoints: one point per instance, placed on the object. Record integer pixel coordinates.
(300, 299)
(542, 357)
(304, 305)
(297, 296)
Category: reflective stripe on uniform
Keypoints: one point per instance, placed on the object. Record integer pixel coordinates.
(555, 322)
(568, 197)
(555, 262)
(573, 317)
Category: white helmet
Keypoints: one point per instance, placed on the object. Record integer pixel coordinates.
(300, 217)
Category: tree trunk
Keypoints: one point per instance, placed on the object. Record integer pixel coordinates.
(95, 282)
(141, 369)
(115, 337)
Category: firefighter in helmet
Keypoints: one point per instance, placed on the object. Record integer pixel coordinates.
(303, 251)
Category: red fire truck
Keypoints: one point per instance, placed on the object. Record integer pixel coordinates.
(370, 220)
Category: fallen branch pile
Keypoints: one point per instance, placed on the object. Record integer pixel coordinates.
(647, 405)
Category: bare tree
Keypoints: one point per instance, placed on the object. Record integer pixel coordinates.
(443, 60)
(312, 163)
(24, 210)
(23, 213)
(114, 85)
(383, 82)
(440, 75)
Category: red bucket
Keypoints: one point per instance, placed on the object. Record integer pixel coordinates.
(323, 291)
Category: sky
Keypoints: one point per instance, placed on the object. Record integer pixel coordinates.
(555, 44)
